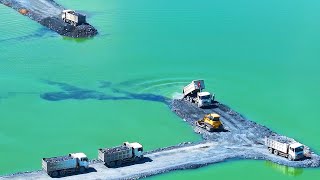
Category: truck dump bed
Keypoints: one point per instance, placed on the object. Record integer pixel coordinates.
(193, 87)
(282, 147)
(58, 163)
(75, 17)
(115, 153)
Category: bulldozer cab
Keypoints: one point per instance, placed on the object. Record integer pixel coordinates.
(212, 120)
(213, 117)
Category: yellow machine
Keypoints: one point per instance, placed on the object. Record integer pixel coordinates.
(210, 122)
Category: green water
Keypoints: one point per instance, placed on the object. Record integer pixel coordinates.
(261, 58)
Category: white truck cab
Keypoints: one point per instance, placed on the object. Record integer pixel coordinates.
(137, 148)
(296, 151)
(205, 99)
(82, 159)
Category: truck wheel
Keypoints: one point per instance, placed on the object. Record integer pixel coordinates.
(112, 164)
(119, 163)
(54, 174)
(136, 159)
(290, 158)
(275, 152)
(62, 173)
(208, 128)
(270, 150)
(82, 169)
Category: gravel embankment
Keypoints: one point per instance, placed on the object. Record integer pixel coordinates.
(47, 13)
(179, 158)
(242, 139)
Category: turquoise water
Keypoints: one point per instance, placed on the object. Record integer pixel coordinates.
(261, 58)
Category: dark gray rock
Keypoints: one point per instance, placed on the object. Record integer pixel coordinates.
(64, 29)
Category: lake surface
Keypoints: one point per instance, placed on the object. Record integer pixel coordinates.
(60, 95)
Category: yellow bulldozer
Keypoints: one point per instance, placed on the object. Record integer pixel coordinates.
(210, 122)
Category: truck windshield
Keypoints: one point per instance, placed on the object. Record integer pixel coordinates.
(298, 149)
(205, 97)
(84, 159)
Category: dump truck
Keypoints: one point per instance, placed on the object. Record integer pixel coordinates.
(116, 156)
(62, 165)
(193, 93)
(210, 122)
(292, 151)
(72, 17)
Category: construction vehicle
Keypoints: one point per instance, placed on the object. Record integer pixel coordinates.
(62, 165)
(193, 93)
(292, 151)
(116, 156)
(73, 18)
(210, 122)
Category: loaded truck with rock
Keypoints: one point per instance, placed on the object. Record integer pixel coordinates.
(62, 165)
(116, 156)
(292, 151)
(73, 18)
(193, 93)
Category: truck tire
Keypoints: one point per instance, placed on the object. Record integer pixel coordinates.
(208, 128)
(62, 173)
(112, 164)
(119, 163)
(290, 158)
(270, 150)
(276, 152)
(54, 174)
(82, 169)
(136, 159)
